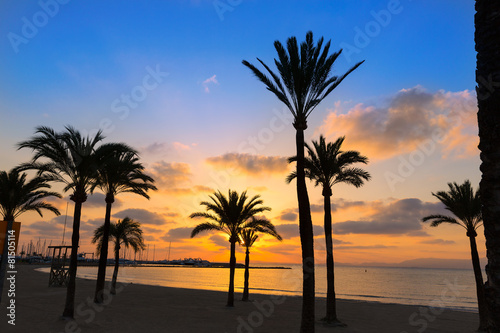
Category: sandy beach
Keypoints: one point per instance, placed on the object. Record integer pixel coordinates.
(142, 308)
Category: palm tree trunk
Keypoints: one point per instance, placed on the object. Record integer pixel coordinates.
(3, 265)
(478, 274)
(247, 275)
(306, 236)
(232, 268)
(115, 272)
(487, 38)
(69, 307)
(331, 306)
(103, 259)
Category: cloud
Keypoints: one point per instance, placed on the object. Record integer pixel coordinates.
(410, 119)
(164, 148)
(175, 234)
(291, 230)
(170, 175)
(190, 190)
(399, 217)
(143, 216)
(250, 164)
(219, 240)
(289, 214)
(345, 204)
(438, 241)
(50, 230)
(364, 247)
(211, 80)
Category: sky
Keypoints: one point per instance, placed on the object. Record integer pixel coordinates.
(166, 78)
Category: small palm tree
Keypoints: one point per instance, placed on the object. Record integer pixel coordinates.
(248, 238)
(304, 81)
(73, 160)
(126, 232)
(17, 196)
(465, 204)
(328, 165)
(231, 215)
(121, 172)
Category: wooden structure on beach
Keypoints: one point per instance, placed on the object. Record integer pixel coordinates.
(59, 270)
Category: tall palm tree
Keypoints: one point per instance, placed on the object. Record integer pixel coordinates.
(231, 215)
(328, 165)
(465, 204)
(487, 37)
(248, 237)
(17, 196)
(121, 172)
(304, 81)
(126, 232)
(69, 158)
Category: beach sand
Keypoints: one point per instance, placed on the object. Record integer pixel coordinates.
(142, 308)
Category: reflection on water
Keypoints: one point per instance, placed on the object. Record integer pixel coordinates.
(443, 287)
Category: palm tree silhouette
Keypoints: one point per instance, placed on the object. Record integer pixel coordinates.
(18, 196)
(303, 82)
(231, 215)
(465, 204)
(73, 160)
(121, 172)
(487, 38)
(126, 232)
(248, 237)
(327, 165)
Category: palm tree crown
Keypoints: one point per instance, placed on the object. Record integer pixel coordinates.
(463, 202)
(122, 172)
(304, 75)
(327, 165)
(126, 232)
(230, 214)
(18, 196)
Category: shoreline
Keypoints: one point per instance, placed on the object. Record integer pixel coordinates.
(154, 309)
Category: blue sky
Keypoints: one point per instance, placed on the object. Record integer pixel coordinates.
(85, 56)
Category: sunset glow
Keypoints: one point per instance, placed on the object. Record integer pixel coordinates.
(166, 78)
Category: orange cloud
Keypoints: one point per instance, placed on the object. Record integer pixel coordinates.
(170, 175)
(250, 164)
(411, 118)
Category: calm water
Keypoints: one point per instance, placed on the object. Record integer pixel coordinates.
(429, 287)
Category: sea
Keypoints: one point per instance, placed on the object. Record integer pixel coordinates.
(443, 288)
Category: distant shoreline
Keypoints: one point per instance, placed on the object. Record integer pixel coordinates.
(213, 265)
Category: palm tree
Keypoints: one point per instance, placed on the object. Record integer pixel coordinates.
(327, 165)
(248, 237)
(231, 215)
(17, 196)
(487, 37)
(73, 160)
(304, 81)
(126, 232)
(465, 204)
(121, 173)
